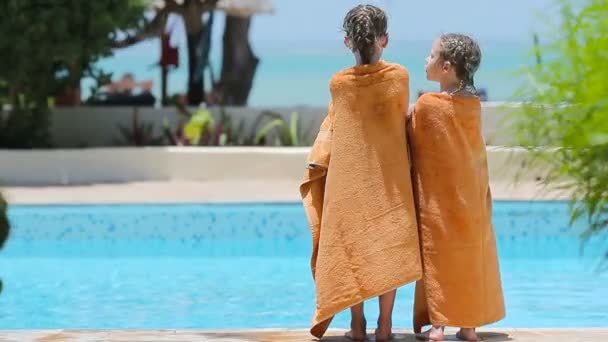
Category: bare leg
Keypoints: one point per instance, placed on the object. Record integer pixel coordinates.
(467, 334)
(358, 324)
(385, 321)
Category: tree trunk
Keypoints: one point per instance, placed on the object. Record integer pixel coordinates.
(196, 82)
(164, 78)
(238, 64)
(199, 45)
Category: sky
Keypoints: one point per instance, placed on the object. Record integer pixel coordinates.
(320, 20)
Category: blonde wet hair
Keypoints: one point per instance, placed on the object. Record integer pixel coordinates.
(464, 54)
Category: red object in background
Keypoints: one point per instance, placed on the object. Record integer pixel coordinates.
(169, 55)
(70, 97)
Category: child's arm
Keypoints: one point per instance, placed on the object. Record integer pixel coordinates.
(320, 153)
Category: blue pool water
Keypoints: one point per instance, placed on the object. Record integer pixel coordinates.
(247, 266)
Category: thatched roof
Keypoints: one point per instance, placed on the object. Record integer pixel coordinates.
(246, 8)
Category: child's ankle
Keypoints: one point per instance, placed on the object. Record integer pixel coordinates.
(357, 319)
(384, 320)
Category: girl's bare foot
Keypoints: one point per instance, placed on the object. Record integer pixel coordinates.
(358, 330)
(435, 333)
(384, 336)
(467, 334)
(358, 324)
(384, 332)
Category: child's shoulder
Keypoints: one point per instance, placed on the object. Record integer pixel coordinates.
(444, 100)
(431, 105)
(432, 100)
(368, 74)
(341, 75)
(398, 69)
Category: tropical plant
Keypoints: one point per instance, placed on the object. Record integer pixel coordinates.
(23, 124)
(139, 134)
(288, 133)
(200, 125)
(567, 109)
(46, 48)
(202, 128)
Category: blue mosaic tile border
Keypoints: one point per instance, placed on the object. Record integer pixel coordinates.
(522, 228)
(162, 222)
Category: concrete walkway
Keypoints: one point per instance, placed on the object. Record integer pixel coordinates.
(541, 335)
(278, 190)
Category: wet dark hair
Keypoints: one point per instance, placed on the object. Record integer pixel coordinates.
(464, 54)
(363, 25)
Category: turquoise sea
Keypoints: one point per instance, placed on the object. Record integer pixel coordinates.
(297, 73)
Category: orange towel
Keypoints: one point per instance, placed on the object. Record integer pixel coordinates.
(358, 194)
(461, 284)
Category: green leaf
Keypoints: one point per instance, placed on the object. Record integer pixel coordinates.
(193, 131)
(200, 124)
(599, 138)
(263, 132)
(294, 131)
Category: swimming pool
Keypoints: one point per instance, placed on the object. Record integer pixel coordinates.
(247, 266)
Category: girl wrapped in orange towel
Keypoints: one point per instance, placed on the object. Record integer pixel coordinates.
(357, 191)
(461, 285)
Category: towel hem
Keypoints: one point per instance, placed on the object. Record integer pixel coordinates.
(374, 295)
(468, 326)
